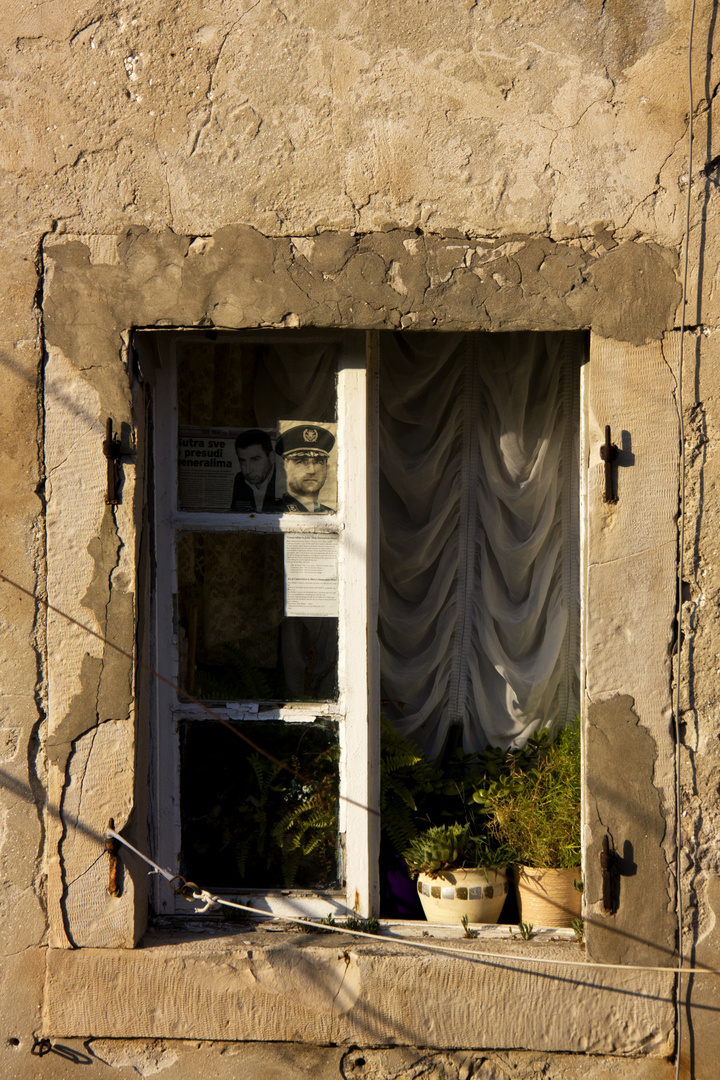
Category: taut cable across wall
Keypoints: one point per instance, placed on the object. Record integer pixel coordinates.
(194, 894)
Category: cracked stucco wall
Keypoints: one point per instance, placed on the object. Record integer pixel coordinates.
(478, 164)
(484, 117)
(292, 1061)
(398, 279)
(90, 744)
(699, 703)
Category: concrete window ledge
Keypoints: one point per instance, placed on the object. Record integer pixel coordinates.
(251, 984)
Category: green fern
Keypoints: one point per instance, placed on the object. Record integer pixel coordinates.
(309, 824)
(406, 779)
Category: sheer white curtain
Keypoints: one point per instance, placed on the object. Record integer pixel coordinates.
(479, 607)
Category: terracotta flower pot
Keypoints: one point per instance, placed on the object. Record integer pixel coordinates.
(548, 897)
(477, 893)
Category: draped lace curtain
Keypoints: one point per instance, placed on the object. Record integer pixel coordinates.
(479, 595)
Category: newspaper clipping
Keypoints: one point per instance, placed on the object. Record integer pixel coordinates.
(292, 469)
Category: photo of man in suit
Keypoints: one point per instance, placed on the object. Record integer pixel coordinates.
(254, 486)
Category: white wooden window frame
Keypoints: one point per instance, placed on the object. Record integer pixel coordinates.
(357, 707)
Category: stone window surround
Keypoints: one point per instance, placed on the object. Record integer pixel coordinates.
(96, 290)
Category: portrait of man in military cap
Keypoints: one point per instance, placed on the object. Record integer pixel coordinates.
(305, 450)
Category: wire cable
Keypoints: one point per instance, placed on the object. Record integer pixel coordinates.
(173, 686)
(194, 893)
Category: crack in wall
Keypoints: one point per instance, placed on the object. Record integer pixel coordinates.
(630, 555)
(86, 871)
(67, 747)
(53, 468)
(209, 108)
(36, 763)
(106, 625)
(63, 819)
(82, 779)
(675, 643)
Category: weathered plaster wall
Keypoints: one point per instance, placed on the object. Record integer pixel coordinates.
(347, 992)
(90, 743)
(483, 117)
(630, 549)
(291, 1061)
(391, 280)
(700, 702)
(22, 873)
(520, 164)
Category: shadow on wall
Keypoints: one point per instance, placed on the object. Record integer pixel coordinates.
(65, 400)
(23, 791)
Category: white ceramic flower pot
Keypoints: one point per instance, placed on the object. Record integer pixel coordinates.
(548, 897)
(477, 893)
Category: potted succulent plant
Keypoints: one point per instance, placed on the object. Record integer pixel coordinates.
(458, 875)
(532, 800)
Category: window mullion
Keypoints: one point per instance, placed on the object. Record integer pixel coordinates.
(373, 584)
(355, 787)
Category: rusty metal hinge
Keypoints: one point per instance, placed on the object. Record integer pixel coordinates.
(609, 453)
(113, 849)
(607, 866)
(112, 450)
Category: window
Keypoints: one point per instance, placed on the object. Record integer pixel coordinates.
(479, 552)
(98, 699)
(261, 613)
(264, 584)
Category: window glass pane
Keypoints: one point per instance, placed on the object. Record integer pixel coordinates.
(236, 642)
(249, 823)
(479, 612)
(257, 427)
